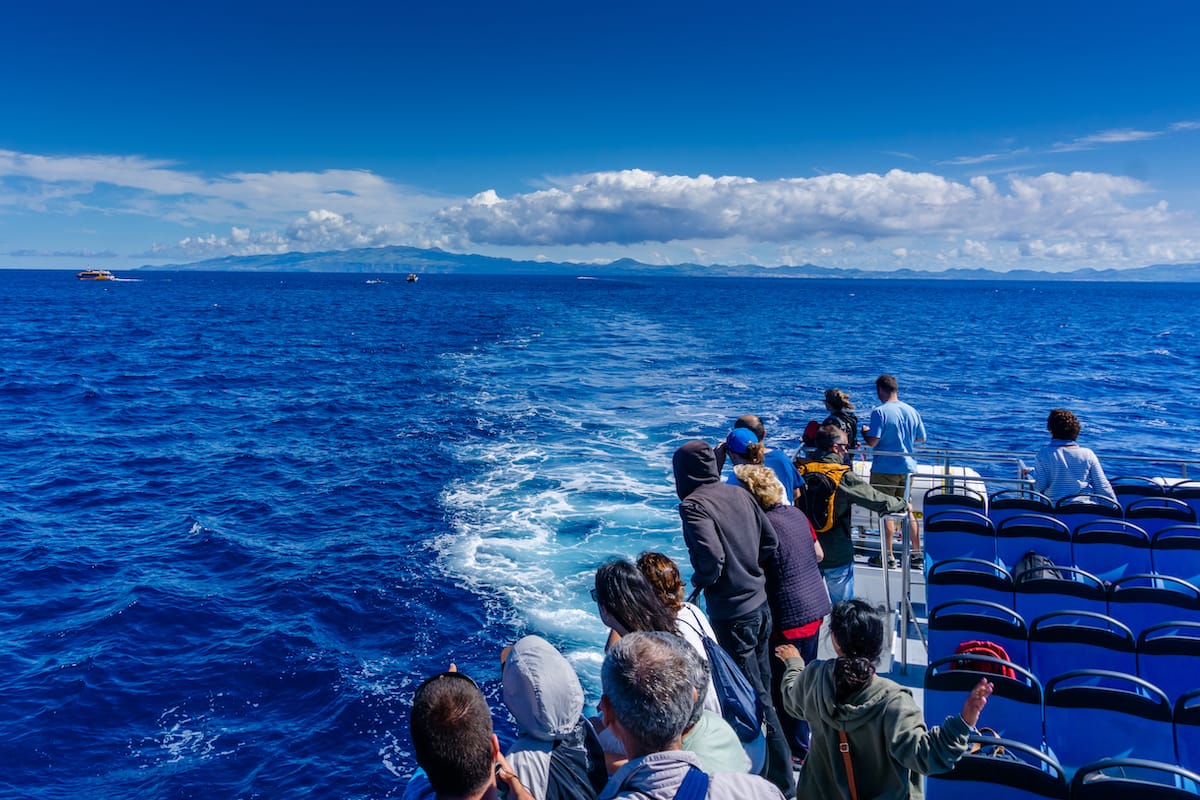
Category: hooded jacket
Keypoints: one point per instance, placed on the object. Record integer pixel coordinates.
(890, 746)
(658, 776)
(727, 535)
(556, 754)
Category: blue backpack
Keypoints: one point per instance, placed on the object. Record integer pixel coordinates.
(739, 701)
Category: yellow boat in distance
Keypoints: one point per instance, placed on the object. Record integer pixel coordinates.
(96, 275)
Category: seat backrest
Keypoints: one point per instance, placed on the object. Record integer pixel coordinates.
(1077, 509)
(1187, 728)
(1168, 655)
(1094, 714)
(1175, 551)
(1014, 709)
(1139, 778)
(1066, 640)
(954, 498)
(1110, 549)
(955, 533)
(1142, 601)
(1152, 514)
(953, 623)
(1043, 534)
(1188, 492)
(1011, 502)
(1023, 772)
(1074, 589)
(1130, 488)
(968, 579)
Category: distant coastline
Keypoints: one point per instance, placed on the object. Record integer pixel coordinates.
(397, 259)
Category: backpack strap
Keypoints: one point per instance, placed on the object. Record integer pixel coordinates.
(845, 748)
(694, 785)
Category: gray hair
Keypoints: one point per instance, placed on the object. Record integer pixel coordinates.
(648, 682)
(698, 672)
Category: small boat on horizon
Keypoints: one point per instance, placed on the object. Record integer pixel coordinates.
(412, 277)
(96, 275)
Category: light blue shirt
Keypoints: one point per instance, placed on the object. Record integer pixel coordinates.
(898, 427)
(1063, 468)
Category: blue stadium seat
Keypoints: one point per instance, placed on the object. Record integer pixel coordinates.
(1111, 549)
(1079, 509)
(954, 498)
(1168, 655)
(959, 534)
(1188, 492)
(1152, 514)
(1044, 535)
(1130, 488)
(1142, 601)
(1092, 714)
(951, 624)
(1134, 779)
(1014, 710)
(1187, 729)
(1074, 589)
(1013, 502)
(1025, 772)
(1176, 552)
(1065, 640)
(968, 579)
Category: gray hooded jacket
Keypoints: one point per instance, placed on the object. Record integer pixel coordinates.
(728, 536)
(556, 753)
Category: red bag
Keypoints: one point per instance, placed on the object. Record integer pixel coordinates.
(983, 649)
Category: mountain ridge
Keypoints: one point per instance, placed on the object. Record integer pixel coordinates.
(399, 258)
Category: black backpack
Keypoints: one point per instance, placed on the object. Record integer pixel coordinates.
(1036, 566)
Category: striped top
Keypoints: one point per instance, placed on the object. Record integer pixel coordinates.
(1063, 468)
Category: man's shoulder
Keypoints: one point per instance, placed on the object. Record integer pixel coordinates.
(740, 786)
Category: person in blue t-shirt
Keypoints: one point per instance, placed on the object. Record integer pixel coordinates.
(745, 450)
(895, 427)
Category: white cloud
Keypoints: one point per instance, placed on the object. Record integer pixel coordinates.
(158, 188)
(636, 206)
(314, 232)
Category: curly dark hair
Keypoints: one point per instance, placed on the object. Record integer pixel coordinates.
(1062, 424)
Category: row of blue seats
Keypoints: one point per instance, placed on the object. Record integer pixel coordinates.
(1080, 716)
(1130, 492)
(1023, 772)
(1166, 654)
(1108, 548)
(1139, 601)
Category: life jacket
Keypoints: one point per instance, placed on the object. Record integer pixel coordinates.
(818, 492)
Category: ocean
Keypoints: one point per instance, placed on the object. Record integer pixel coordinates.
(244, 514)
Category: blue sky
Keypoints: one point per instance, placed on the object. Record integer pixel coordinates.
(874, 135)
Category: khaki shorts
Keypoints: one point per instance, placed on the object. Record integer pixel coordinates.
(889, 483)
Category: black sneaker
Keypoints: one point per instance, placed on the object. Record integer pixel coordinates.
(877, 561)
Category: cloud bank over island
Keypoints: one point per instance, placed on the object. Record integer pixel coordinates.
(1024, 218)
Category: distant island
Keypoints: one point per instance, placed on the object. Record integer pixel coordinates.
(394, 259)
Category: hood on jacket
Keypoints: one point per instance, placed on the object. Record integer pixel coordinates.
(859, 709)
(695, 464)
(541, 690)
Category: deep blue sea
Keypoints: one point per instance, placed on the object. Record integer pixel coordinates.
(243, 515)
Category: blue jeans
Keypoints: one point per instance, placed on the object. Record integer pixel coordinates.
(840, 582)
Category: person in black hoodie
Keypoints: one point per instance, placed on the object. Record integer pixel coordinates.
(729, 539)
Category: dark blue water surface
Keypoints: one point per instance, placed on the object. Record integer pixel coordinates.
(244, 514)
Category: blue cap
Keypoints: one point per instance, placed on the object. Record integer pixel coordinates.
(739, 439)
